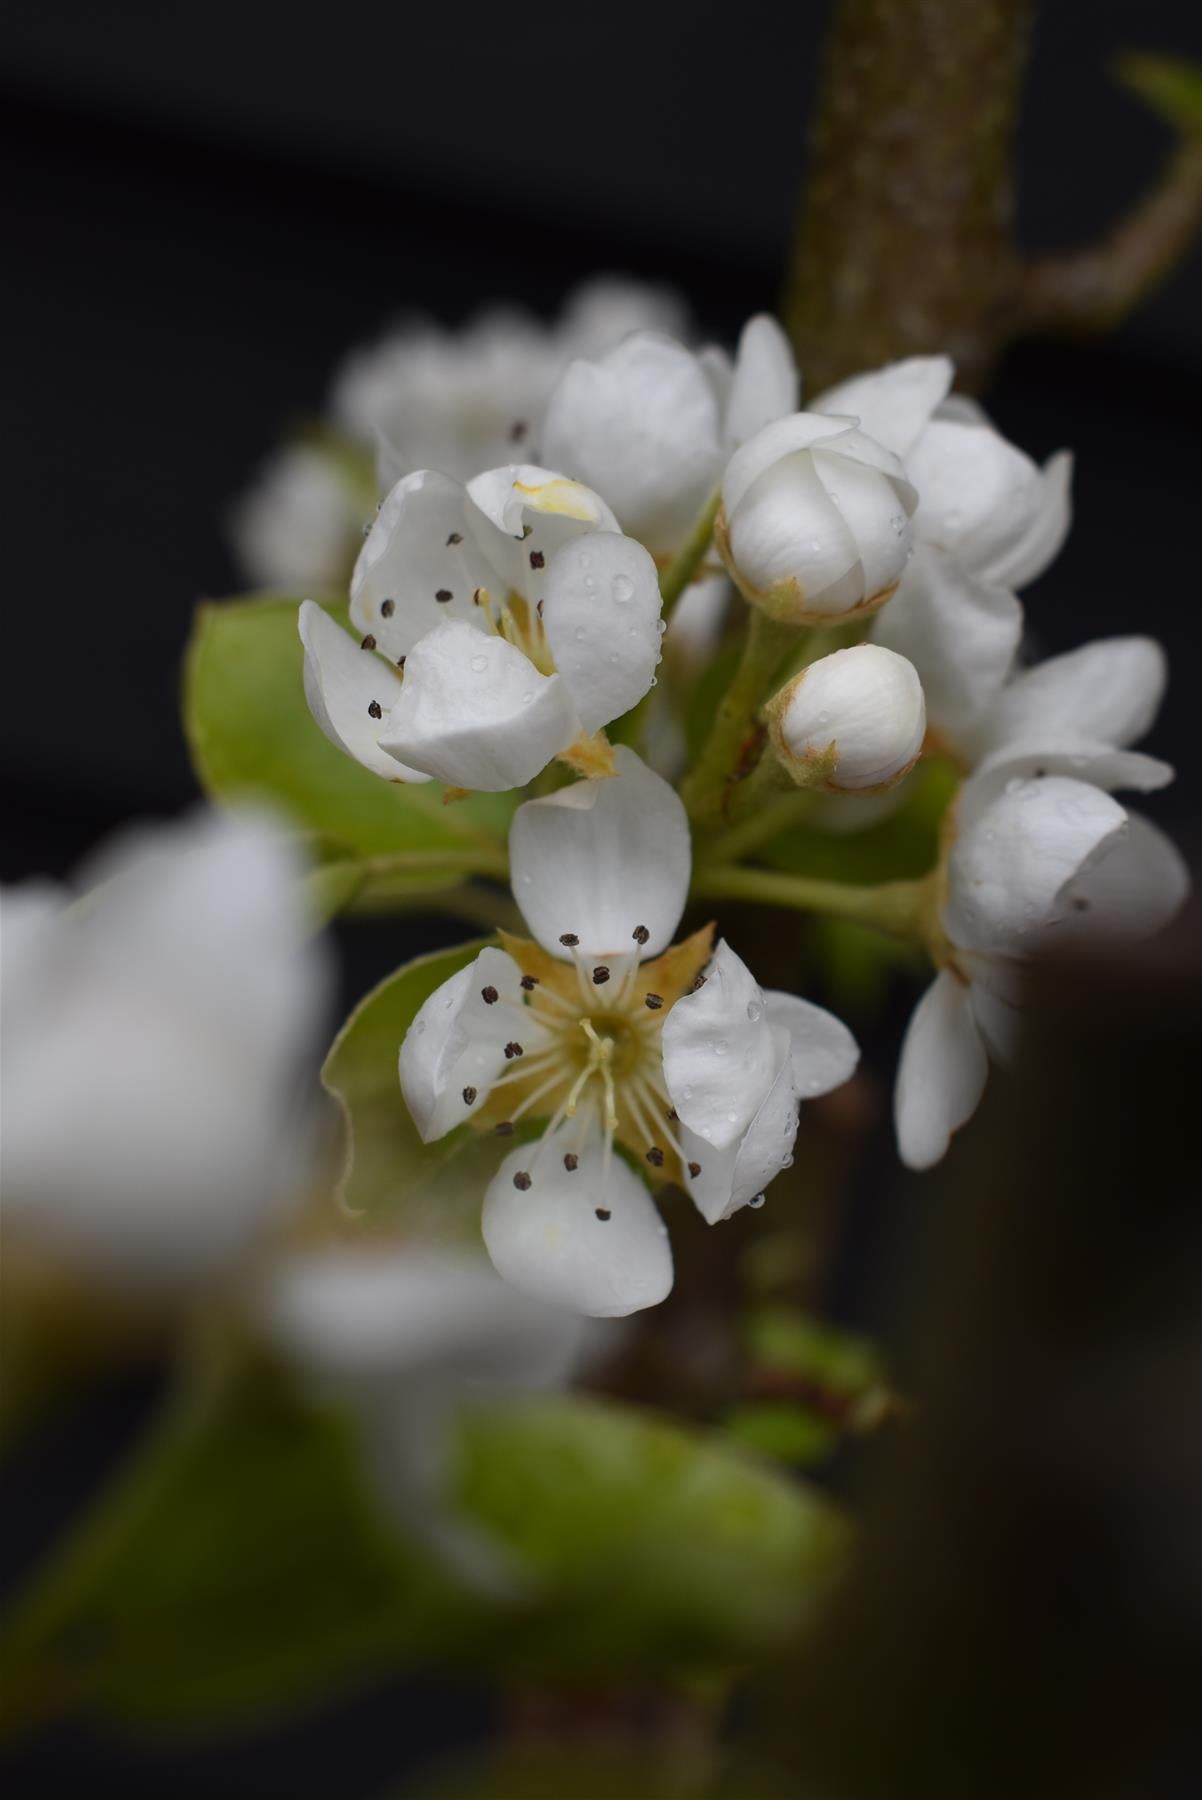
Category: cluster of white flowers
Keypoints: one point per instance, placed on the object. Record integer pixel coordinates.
(504, 623)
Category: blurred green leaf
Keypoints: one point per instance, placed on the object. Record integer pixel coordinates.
(1170, 85)
(388, 1170)
(255, 1568)
(252, 737)
(784, 1430)
(795, 1343)
(901, 846)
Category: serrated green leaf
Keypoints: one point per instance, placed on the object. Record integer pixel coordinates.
(251, 736)
(1170, 85)
(388, 1171)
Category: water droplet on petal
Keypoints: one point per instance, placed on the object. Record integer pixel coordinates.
(721, 1047)
(578, 634)
(759, 1199)
(755, 1010)
(622, 589)
(479, 664)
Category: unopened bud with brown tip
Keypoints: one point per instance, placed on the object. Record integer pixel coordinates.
(853, 721)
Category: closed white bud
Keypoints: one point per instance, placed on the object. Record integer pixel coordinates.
(854, 720)
(815, 520)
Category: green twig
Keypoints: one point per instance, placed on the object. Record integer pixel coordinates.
(899, 908)
(687, 562)
(732, 748)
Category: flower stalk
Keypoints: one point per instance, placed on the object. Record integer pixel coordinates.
(897, 908)
(686, 564)
(735, 738)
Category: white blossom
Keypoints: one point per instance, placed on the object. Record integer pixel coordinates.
(851, 721)
(601, 1031)
(155, 1034)
(298, 525)
(468, 399)
(650, 424)
(1047, 859)
(522, 619)
(814, 523)
(988, 521)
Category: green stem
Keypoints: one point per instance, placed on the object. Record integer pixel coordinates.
(778, 813)
(481, 861)
(706, 788)
(899, 908)
(688, 559)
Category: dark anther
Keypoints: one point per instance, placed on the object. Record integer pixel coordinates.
(527, 530)
(517, 431)
(699, 983)
(537, 559)
(456, 537)
(539, 608)
(375, 710)
(655, 1157)
(569, 940)
(673, 1115)
(489, 995)
(442, 595)
(400, 662)
(469, 1096)
(367, 643)
(513, 1049)
(600, 975)
(603, 1213)
(640, 934)
(571, 1162)
(504, 1129)
(521, 1181)
(1080, 904)
(653, 1002)
(476, 600)
(387, 608)
(529, 982)
(694, 1170)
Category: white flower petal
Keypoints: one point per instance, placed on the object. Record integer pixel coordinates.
(893, 404)
(1053, 754)
(418, 549)
(960, 633)
(699, 617)
(599, 859)
(941, 1075)
(720, 1051)
(1108, 692)
(978, 493)
(456, 1043)
(861, 707)
(1133, 890)
(1032, 550)
(998, 1019)
(732, 1175)
(342, 683)
(642, 427)
(590, 1239)
(475, 712)
(823, 1051)
(372, 1318)
(787, 529)
(782, 438)
(522, 514)
(1009, 866)
(870, 507)
(765, 384)
(601, 610)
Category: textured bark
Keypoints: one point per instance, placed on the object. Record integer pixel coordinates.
(905, 244)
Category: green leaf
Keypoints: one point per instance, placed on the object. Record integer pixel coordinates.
(1170, 85)
(902, 846)
(252, 737)
(661, 1549)
(388, 1171)
(784, 1430)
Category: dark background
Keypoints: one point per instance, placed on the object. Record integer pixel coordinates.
(207, 204)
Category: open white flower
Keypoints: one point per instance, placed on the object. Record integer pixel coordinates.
(610, 1037)
(814, 523)
(650, 424)
(852, 721)
(1047, 859)
(469, 399)
(988, 521)
(298, 525)
(154, 1038)
(402, 1337)
(521, 618)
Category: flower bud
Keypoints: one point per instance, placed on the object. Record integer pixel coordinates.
(854, 720)
(815, 519)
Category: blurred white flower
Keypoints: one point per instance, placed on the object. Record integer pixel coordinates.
(464, 400)
(682, 1058)
(814, 523)
(298, 525)
(853, 720)
(650, 424)
(988, 521)
(155, 1036)
(1046, 860)
(402, 1336)
(522, 619)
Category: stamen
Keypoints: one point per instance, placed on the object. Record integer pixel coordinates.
(653, 1002)
(603, 1213)
(387, 608)
(512, 1049)
(537, 559)
(571, 1163)
(569, 940)
(640, 934)
(367, 643)
(694, 1169)
(456, 537)
(375, 710)
(469, 1096)
(600, 975)
(489, 995)
(442, 595)
(529, 982)
(655, 1157)
(521, 1181)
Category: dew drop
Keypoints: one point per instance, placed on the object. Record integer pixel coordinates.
(654, 682)
(622, 589)
(721, 1047)
(479, 664)
(578, 634)
(758, 1200)
(614, 657)
(686, 1093)
(755, 1010)
(527, 698)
